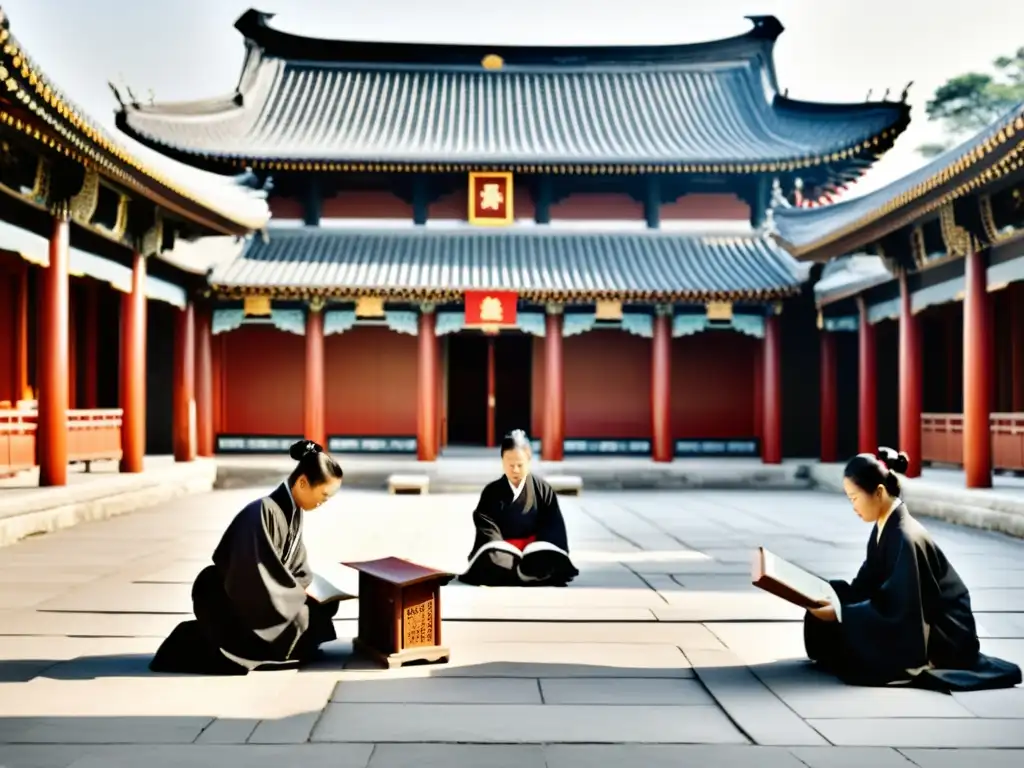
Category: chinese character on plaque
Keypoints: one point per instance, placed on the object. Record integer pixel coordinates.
(490, 309)
(490, 198)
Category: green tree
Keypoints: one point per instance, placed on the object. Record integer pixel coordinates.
(968, 103)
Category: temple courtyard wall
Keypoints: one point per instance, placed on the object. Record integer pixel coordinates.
(661, 653)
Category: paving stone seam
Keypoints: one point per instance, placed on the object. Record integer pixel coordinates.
(767, 687)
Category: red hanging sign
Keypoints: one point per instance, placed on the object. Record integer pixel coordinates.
(490, 309)
(490, 198)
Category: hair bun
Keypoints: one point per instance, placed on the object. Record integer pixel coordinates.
(303, 447)
(895, 461)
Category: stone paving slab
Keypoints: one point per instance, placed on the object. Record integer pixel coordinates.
(540, 724)
(922, 732)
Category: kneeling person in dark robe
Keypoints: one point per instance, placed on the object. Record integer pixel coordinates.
(251, 606)
(906, 617)
(520, 532)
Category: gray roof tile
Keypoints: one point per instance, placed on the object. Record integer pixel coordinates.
(536, 262)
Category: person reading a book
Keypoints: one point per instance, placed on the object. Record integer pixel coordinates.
(906, 617)
(520, 533)
(251, 606)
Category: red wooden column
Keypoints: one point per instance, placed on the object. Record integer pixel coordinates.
(910, 381)
(867, 409)
(759, 391)
(184, 384)
(21, 391)
(72, 347)
(314, 401)
(492, 401)
(204, 381)
(829, 406)
(52, 429)
(662, 448)
(977, 374)
(133, 369)
(553, 437)
(1016, 347)
(91, 345)
(771, 450)
(426, 387)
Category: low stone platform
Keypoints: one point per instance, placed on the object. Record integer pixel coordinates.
(470, 474)
(940, 494)
(660, 654)
(27, 510)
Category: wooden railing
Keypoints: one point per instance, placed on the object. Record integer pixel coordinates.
(17, 441)
(93, 435)
(942, 439)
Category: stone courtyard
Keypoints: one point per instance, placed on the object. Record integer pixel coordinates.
(660, 654)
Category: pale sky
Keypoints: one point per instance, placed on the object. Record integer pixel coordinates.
(832, 50)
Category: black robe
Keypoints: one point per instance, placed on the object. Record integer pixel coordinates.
(499, 519)
(906, 618)
(251, 605)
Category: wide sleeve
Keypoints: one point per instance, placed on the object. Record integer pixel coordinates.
(301, 569)
(484, 522)
(264, 594)
(550, 523)
(885, 631)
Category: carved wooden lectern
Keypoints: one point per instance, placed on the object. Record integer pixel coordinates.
(400, 612)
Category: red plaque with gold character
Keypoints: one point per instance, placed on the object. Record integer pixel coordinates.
(490, 198)
(490, 309)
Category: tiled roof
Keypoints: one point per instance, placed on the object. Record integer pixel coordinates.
(956, 172)
(537, 262)
(712, 104)
(848, 276)
(42, 112)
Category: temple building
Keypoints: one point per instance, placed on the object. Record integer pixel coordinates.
(97, 357)
(470, 239)
(920, 309)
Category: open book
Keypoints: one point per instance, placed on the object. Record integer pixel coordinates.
(323, 590)
(791, 582)
(524, 554)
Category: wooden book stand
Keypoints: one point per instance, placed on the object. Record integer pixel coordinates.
(400, 612)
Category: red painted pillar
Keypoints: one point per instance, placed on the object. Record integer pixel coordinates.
(133, 370)
(977, 374)
(204, 381)
(867, 413)
(21, 387)
(52, 428)
(771, 451)
(91, 345)
(314, 402)
(910, 381)
(426, 388)
(662, 448)
(491, 394)
(759, 391)
(553, 438)
(184, 384)
(829, 406)
(72, 348)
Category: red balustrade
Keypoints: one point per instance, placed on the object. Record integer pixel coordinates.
(17, 441)
(93, 435)
(942, 439)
